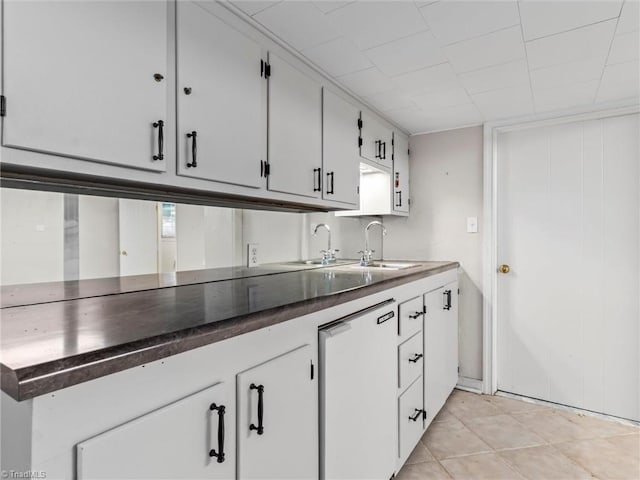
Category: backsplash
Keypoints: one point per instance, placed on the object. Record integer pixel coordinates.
(53, 236)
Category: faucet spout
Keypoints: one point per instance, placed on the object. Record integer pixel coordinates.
(366, 254)
(328, 255)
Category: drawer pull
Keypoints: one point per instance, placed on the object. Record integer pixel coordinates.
(260, 427)
(220, 453)
(416, 315)
(419, 412)
(415, 359)
(194, 150)
(447, 300)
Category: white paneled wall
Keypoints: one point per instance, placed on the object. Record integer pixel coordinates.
(569, 227)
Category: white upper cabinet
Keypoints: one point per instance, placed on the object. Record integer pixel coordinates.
(400, 172)
(221, 100)
(87, 80)
(340, 155)
(278, 419)
(295, 130)
(376, 141)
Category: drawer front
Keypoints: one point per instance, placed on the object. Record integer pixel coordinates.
(410, 360)
(411, 314)
(410, 419)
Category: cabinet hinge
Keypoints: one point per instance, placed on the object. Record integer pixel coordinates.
(458, 291)
(424, 309)
(458, 368)
(267, 169)
(359, 141)
(360, 123)
(312, 371)
(408, 152)
(3, 105)
(358, 189)
(424, 414)
(265, 69)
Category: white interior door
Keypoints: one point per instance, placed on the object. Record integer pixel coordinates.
(138, 237)
(568, 227)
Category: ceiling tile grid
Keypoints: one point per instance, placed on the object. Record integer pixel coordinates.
(434, 65)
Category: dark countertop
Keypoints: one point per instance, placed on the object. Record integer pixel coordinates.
(50, 345)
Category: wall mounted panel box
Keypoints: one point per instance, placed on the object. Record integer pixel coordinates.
(173, 115)
(384, 188)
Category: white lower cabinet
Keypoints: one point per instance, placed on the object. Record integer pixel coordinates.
(410, 419)
(277, 424)
(441, 346)
(191, 438)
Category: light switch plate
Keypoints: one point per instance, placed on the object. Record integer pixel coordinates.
(472, 224)
(252, 255)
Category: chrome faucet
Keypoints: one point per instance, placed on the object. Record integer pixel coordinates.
(365, 258)
(328, 255)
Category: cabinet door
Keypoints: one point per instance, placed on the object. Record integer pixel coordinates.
(451, 328)
(436, 370)
(400, 172)
(340, 155)
(175, 441)
(295, 131)
(287, 446)
(221, 97)
(82, 81)
(376, 141)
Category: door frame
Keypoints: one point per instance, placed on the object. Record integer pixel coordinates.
(490, 224)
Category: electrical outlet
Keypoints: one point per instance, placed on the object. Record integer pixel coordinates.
(252, 255)
(472, 224)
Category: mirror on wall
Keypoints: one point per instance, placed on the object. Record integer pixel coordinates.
(48, 236)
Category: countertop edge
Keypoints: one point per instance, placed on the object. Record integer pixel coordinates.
(30, 382)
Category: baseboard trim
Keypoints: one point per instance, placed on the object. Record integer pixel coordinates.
(469, 384)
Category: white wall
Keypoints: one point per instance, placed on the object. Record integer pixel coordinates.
(446, 188)
(99, 240)
(32, 235)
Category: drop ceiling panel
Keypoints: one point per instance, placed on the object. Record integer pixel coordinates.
(442, 98)
(406, 54)
(492, 49)
(567, 73)
(367, 82)
(625, 48)
(435, 65)
(460, 20)
(437, 77)
(566, 96)
(629, 17)
(252, 7)
(338, 57)
(506, 75)
(504, 103)
(591, 41)
(370, 24)
(301, 24)
(544, 18)
(620, 81)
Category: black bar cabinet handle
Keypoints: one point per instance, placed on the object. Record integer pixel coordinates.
(330, 182)
(260, 427)
(159, 125)
(220, 453)
(318, 178)
(417, 415)
(378, 148)
(384, 150)
(194, 149)
(415, 359)
(416, 315)
(447, 304)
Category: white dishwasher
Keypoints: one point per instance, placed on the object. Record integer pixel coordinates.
(358, 403)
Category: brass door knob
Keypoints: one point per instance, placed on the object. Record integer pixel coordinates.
(504, 268)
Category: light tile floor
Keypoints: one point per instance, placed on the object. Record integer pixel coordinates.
(486, 437)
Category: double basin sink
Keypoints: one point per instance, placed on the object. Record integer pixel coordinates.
(355, 265)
